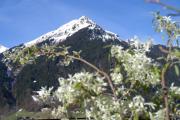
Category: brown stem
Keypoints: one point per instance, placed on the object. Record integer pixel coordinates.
(169, 7)
(165, 91)
(163, 50)
(90, 65)
(99, 71)
(164, 5)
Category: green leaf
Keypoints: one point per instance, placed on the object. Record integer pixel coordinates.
(76, 54)
(78, 86)
(107, 46)
(160, 58)
(136, 116)
(176, 53)
(176, 70)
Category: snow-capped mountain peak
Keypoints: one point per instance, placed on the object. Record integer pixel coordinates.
(69, 29)
(75, 25)
(2, 48)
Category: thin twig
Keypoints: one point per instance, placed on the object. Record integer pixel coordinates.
(90, 65)
(163, 50)
(99, 71)
(158, 2)
(169, 7)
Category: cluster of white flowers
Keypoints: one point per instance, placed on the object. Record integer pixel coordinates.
(43, 95)
(159, 115)
(83, 80)
(136, 43)
(167, 25)
(117, 78)
(139, 105)
(136, 64)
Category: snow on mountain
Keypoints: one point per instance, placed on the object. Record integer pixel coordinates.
(69, 29)
(2, 48)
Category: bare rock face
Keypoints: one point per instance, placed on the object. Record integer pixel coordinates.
(6, 96)
(81, 34)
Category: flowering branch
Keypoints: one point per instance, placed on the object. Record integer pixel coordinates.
(77, 57)
(172, 29)
(99, 71)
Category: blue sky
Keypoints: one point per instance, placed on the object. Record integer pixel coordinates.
(24, 20)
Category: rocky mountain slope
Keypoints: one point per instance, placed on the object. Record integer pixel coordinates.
(18, 82)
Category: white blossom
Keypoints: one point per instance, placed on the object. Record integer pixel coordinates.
(167, 18)
(175, 89)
